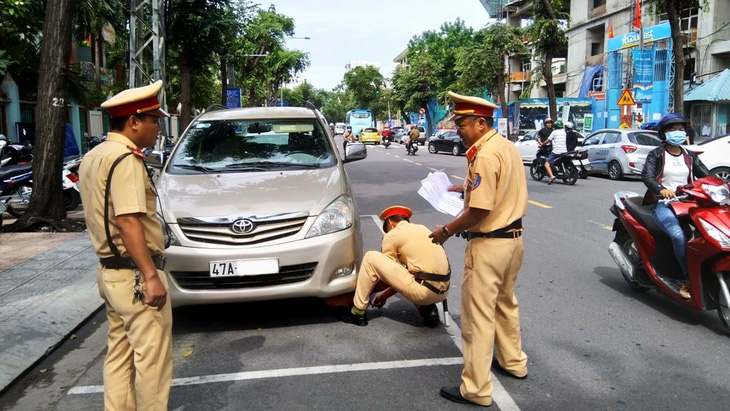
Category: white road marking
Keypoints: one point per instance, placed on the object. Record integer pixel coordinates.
(290, 372)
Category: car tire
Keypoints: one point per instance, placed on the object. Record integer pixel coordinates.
(614, 171)
(455, 150)
(432, 148)
(722, 172)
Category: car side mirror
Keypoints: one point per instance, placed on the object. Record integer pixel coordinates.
(355, 151)
(156, 159)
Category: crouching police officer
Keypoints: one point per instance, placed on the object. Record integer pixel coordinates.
(410, 264)
(120, 207)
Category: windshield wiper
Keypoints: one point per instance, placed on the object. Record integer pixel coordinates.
(195, 167)
(270, 164)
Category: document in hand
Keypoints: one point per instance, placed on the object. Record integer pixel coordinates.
(434, 189)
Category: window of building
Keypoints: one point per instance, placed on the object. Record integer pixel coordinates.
(598, 3)
(688, 20)
(526, 66)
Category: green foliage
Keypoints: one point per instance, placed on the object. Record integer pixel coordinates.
(363, 83)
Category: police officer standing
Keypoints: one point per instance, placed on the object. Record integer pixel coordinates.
(495, 200)
(120, 210)
(410, 264)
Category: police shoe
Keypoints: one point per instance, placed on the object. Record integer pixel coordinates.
(346, 315)
(430, 315)
(454, 394)
(497, 367)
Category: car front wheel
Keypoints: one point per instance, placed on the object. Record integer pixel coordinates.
(722, 172)
(455, 150)
(432, 148)
(614, 171)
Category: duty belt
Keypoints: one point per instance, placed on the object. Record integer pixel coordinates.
(423, 278)
(498, 233)
(124, 263)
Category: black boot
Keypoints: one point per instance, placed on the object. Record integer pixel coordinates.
(430, 315)
(345, 314)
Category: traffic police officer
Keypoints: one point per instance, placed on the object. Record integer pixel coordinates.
(409, 263)
(495, 200)
(120, 209)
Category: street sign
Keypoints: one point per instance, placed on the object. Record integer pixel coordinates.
(626, 99)
(422, 111)
(588, 122)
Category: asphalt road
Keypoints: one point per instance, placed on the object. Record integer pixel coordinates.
(592, 343)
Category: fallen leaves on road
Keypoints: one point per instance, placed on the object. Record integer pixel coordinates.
(188, 353)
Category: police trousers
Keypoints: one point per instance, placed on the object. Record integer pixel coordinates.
(138, 364)
(489, 314)
(375, 267)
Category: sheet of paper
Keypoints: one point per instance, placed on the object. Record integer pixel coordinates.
(434, 188)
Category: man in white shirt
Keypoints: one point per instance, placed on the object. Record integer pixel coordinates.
(558, 138)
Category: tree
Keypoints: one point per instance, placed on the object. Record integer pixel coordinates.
(548, 36)
(482, 65)
(44, 206)
(364, 84)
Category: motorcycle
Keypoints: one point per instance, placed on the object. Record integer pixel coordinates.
(13, 154)
(385, 142)
(412, 147)
(645, 255)
(563, 167)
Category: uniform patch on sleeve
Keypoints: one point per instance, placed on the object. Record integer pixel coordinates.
(477, 181)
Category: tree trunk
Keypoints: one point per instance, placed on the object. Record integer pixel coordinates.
(502, 98)
(548, 74)
(45, 205)
(224, 81)
(679, 61)
(186, 97)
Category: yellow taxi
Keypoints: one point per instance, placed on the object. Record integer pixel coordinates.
(370, 135)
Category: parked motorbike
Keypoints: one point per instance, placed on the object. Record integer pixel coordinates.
(646, 257)
(563, 167)
(13, 154)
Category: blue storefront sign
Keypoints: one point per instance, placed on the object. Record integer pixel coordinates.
(643, 74)
(651, 34)
(233, 98)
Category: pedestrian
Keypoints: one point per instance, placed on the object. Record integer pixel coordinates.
(495, 200)
(690, 133)
(120, 210)
(410, 264)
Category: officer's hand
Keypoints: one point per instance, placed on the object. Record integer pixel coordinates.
(667, 193)
(380, 300)
(155, 292)
(456, 188)
(437, 236)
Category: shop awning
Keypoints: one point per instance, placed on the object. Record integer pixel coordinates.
(714, 89)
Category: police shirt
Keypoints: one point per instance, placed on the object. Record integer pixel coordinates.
(496, 182)
(130, 192)
(410, 245)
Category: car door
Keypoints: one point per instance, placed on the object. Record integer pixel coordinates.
(592, 145)
(611, 150)
(527, 147)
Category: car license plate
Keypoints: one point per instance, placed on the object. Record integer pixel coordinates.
(238, 268)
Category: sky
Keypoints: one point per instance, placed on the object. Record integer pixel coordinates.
(371, 30)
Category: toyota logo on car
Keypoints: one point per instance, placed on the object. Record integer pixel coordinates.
(242, 226)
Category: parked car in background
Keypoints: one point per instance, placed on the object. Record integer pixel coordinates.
(297, 234)
(715, 155)
(527, 146)
(395, 133)
(340, 128)
(370, 135)
(446, 140)
(619, 152)
(421, 135)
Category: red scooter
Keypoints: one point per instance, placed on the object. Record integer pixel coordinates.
(646, 257)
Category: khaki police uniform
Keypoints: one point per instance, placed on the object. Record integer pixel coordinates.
(406, 250)
(138, 364)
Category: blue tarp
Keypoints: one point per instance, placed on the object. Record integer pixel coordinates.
(71, 148)
(587, 83)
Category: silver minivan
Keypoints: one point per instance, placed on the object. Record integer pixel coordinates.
(259, 207)
(619, 152)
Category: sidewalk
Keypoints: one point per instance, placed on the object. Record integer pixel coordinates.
(47, 288)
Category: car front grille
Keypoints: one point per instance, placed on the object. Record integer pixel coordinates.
(201, 280)
(218, 230)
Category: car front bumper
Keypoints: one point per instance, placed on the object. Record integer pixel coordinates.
(310, 267)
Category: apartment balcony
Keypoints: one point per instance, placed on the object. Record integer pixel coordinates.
(519, 76)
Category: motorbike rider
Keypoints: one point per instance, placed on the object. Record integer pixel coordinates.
(544, 132)
(413, 135)
(348, 137)
(666, 168)
(558, 139)
(332, 128)
(571, 136)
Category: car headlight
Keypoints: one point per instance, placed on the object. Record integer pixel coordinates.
(715, 234)
(719, 194)
(337, 216)
(169, 236)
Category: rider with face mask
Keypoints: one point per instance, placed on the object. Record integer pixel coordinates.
(668, 167)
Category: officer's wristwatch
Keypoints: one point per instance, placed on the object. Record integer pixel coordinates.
(445, 232)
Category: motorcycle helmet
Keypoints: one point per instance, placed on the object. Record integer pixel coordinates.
(569, 125)
(548, 120)
(668, 120)
(558, 124)
(332, 124)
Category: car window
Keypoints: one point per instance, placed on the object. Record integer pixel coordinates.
(421, 129)
(231, 145)
(611, 138)
(645, 139)
(593, 139)
(371, 130)
(528, 137)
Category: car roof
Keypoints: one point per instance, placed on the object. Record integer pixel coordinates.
(625, 130)
(257, 113)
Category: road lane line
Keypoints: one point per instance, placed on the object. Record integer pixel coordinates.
(405, 159)
(433, 169)
(460, 178)
(418, 164)
(289, 372)
(608, 227)
(535, 203)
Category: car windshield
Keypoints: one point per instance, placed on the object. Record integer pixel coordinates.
(253, 145)
(371, 130)
(645, 139)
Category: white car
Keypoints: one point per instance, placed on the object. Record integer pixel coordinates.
(339, 128)
(715, 155)
(527, 145)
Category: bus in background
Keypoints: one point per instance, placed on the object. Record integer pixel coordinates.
(359, 119)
